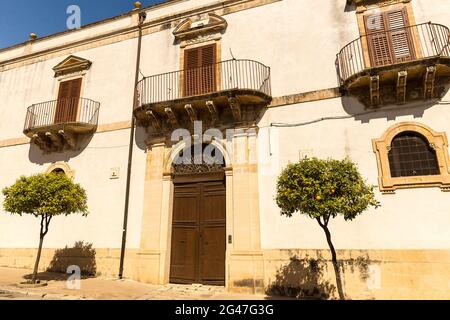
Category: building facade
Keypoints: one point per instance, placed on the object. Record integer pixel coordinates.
(262, 83)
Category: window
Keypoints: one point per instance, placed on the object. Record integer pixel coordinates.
(59, 171)
(412, 155)
(68, 100)
(61, 167)
(200, 70)
(389, 37)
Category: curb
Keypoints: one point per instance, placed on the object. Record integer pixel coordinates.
(43, 296)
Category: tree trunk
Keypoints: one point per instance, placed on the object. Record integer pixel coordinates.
(45, 222)
(334, 259)
(36, 264)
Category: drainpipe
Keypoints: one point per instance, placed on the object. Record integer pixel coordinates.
(142, 17)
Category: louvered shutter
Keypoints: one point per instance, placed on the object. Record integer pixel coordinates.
(378, 41)
(191, 64)
(68, 99)
(400, 36)
(389, 38)
(199, 74)
(208, 63)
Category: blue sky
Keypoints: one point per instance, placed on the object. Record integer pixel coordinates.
(18, 18)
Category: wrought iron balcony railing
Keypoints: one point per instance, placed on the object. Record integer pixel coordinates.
(77, 111)
(379, 49)
(231, 75)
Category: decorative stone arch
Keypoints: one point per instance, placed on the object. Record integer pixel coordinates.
(437, 140)
(62, 166)
(244, 258)
(177, 148)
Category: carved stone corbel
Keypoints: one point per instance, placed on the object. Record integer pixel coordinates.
(154, 119)
(69, 138)
(235, 108)
(171, 117)
(191, 112)
(429, 80)
(42, 142)
(213, 111)
(402, 78)
(374, 90)
(56, 140)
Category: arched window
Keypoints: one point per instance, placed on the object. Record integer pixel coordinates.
(199, 159)
(411, 155)
(58, 170)
(62, 168)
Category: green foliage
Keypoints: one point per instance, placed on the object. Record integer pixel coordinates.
(45, 195)
(324, 188)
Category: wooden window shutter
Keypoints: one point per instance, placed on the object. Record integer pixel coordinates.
(400, 35)
(68, 100)
(200, 70)
(389, 38)
(208, 63)
(379, 49)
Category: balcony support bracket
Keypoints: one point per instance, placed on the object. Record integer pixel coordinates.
(429, 79)
(191, 112)
(402, 78)
(69, 138)
(375, 90)
(213, 111)
(171, 117)
(156, 123)
(43, 143)
(235, 108)
(56, 140)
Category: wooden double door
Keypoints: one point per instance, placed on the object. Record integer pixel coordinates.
(199, 233)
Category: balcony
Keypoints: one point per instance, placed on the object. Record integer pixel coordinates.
(396, 66)
(55, 125)
(225, 94)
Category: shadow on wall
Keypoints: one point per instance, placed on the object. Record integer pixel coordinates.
(390, 110)
(81, 255)
(37, 156)
(302, 279)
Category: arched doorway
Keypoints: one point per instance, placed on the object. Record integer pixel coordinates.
(199, 217)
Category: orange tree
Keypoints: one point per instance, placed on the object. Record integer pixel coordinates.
(45, 196)
(324, 189)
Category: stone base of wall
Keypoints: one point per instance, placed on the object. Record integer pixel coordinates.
(367, 274)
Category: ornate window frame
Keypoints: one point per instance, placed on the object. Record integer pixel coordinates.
(200, 29)
(72, 65)
(63, 166)
(438, 141)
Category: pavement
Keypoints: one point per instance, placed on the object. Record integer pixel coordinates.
(102, 288)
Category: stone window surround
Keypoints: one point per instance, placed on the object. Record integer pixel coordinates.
(208, 34)
(65, 71)
(385, 6)
(438, 141)
(63, 166)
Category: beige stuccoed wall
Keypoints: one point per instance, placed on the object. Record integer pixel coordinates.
(106, 197)
(298, 39)
(409, 219)
(109, 81)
